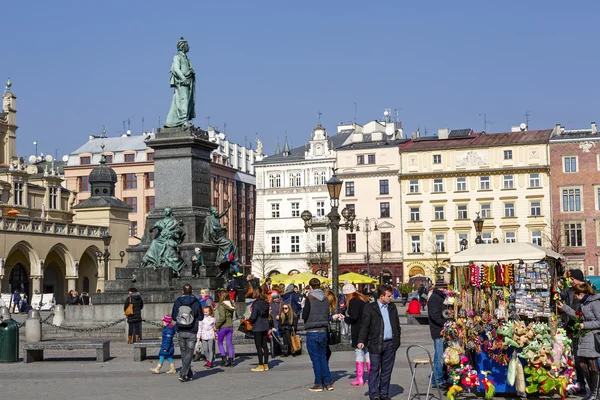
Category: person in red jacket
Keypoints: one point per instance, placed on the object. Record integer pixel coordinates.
(414, 307)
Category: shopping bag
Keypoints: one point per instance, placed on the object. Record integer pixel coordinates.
(296, 344)
(245, 326)
(129, 310)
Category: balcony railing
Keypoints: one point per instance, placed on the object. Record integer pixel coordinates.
(36, 226)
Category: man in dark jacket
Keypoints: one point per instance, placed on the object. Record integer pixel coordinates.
(380, 332)
(435, 307)
(316, 322)
(291, 296)
(568, 298)
(187, 311)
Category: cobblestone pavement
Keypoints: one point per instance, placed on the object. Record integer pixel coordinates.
(76, 375)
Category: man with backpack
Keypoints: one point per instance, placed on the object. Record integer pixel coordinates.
(187, 311)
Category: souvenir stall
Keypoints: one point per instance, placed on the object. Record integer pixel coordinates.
(503, 332)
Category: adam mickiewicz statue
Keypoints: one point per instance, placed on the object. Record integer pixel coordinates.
(183, 80)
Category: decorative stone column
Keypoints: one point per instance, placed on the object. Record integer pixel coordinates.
(36, 283)
(71, 281)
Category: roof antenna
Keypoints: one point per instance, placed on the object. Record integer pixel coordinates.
(355, 108)
(527, 114)
(319, 113)
(485, 122)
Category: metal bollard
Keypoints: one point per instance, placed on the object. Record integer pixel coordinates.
(5, 313)
(59, 315)
(33, 327)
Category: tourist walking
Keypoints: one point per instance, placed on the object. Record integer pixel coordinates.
(224, 327)
(586, 350)
(355, 304)
(316, 322)
(134, 321)
(187, 312)
(288, 324)
(259, 318)
(167, 347)
(206, 335)
(380, 334)
(435, 307)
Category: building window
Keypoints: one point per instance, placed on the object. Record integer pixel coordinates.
(534, 180)
(437, 158)
(53, 195)
(486, 211)
(131, 202)
(415, 244)
(570, 164)
(438, 185)
(129, 181)
(462, 212)
(321, 244)
(386, 241)
(384, 186)
(508, 154)
(413, 186)
(295, 244)
(18, 193)
(351, 243)
(371, 159)
(484, 183)
(271, 181)
(108, 158)
(291, 180)
(510, 237)
(536, 237)
(462, 236)
(85, 160)
(319, 178)
(440, 243)
(278, 180)
(486, 237)
(275, 210)
(573, 235)
(130, 157)
(320, 208)
(384, 209)
(149, 203)
(149, 178)
(509, 210)
(349, 189)
(571, 200)
(275, 244)
(461, 184)
(536, 208)
(295, 209)
(509, 181)
(360, 160)
(84, 183)
(132, 228)
(298, 178)
(150, 156)
(415, 215)
(438, 213)
(598, 196)
(351, 209)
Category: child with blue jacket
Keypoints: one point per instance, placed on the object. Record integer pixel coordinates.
(167, 348)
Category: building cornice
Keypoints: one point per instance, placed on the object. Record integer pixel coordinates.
(479, 172)
(367, 174)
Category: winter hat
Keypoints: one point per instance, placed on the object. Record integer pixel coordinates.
(168, 319)
(197, 249)
(274, 295)
(289, 288)
(348, 288)
(577, 274)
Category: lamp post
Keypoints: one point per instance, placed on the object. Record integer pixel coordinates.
(104, 257)
(366, 223)
(478, 223)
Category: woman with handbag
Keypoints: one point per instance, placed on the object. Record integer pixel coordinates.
(355, 303)
(224, 328)
(133, 310)
(288, 326)
(261, 326)
(588, 349)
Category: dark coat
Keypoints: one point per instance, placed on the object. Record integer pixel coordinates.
(371, 327)
(316, 310)
(353, 317)
(167, 347)
(191, 301)
(259, 317)
(286, 326)
(241, 287)
(435, 307)
(138, 304)
(294, 300)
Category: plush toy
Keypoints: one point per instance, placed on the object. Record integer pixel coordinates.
(488, 385)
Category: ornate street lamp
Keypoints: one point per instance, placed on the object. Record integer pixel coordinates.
(369, 225)
(478, 223)
(104, 257)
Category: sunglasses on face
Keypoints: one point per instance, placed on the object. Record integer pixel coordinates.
(285, 308)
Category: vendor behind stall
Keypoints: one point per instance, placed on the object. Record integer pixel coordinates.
(435, 307)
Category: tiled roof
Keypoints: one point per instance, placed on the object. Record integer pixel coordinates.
(113, 144)
(479, 140)
(574, 134)
(102, 201)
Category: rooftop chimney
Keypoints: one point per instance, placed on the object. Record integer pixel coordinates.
(416, 134)
(557, 130)
(443, 133)
(594, 128)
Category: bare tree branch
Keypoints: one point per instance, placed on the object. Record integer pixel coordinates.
(554, 235)
(263, 261)
(318, 253)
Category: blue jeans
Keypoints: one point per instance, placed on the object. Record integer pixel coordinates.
(316, 343)
(438, 360)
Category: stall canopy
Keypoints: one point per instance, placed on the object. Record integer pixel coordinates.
(503, 252)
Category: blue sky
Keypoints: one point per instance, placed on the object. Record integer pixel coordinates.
(269, 66)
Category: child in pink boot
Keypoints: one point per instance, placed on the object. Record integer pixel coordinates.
(206, 334)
